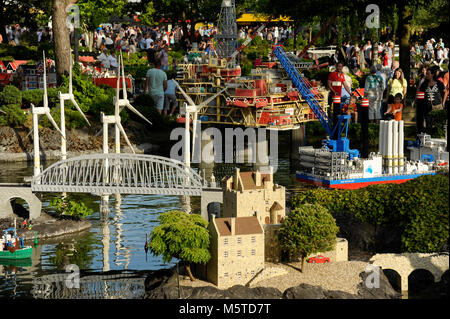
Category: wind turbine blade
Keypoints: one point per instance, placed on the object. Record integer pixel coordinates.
(70, 72)
(50, 118)
(205, 102)
(39, 119)
(79, 109)
(45, 81)
(187, 97)
(133, 109)
(194, 130)
(124, 87)
(99, 132)
(125, 136)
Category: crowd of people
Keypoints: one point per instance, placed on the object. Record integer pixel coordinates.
(386, 87)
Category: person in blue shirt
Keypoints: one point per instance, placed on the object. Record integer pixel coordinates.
(156, 84)
(169, 95)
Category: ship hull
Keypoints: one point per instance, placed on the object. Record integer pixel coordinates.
(18, 254)
(355, 183)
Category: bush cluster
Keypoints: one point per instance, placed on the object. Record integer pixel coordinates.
(419, 208)
(10, 101)
(70, 208)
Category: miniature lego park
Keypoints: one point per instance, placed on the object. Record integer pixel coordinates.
(241, 150)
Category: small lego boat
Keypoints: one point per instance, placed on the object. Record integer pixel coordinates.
(12, 246)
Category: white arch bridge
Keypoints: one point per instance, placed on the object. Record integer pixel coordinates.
(106, 174)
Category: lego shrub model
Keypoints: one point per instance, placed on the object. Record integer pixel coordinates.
(419, 209)
(183, 236)
(306, 230)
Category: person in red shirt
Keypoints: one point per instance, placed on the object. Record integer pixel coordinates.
(396, 108)
(351, 109)
(336, 80)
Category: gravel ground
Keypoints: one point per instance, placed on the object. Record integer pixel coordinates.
(343, 276)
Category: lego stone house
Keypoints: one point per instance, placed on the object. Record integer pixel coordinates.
(248, 193)
(237, 250)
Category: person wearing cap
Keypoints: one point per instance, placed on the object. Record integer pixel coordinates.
(373, 91)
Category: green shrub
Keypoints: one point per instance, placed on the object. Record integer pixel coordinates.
(419, 208)
(438, 119)
(32, 97)
(14, 115)
(70, 208)
(308, 229)
(10, 95)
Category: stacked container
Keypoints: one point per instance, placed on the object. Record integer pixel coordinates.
(391, 139)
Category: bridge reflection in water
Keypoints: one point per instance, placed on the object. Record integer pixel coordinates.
(105, 286)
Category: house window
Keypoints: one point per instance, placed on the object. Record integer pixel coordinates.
(252, 272)
(253, 239)
(239, 274)
(239, 253)
(225, 254)
(225, 241)
(239, 240)
(225, 274)
(253, 252)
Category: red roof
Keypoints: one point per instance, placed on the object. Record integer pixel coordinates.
(15, 64)
(86, 59)
(244, 226)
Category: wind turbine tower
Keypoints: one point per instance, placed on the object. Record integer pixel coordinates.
(227, 29)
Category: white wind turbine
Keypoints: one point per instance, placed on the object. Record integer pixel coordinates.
(44, 110)
(62, 98)
(115, 119)
(70, 97)
(120, 104)
(192, 108)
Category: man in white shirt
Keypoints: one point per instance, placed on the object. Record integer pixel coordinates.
(103, 58)
(113, 61)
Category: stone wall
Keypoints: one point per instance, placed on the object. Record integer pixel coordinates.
(246, 203)
(271, 245)
(339, 253)
(273, 252)
(11, 191)
(239, 259)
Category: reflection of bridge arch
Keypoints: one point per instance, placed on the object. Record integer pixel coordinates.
(107, 286)
(404, 264)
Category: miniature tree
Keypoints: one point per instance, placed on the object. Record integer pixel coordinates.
(183, 236)
(308, 229)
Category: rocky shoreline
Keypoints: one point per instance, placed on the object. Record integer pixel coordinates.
(15, 146)
(162, 284)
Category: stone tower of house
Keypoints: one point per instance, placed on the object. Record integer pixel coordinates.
(254, 194)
